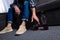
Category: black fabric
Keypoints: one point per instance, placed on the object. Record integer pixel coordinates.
(3, 20)
(50, 8)
(18, 3)
(43, 5)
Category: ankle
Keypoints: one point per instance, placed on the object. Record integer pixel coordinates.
(9, 25)
(23, 23)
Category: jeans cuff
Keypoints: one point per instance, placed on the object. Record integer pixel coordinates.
(25, 19)
(9, 21)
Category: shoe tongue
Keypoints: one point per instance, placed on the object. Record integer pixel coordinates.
(22, 26)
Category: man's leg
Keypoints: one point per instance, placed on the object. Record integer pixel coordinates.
(8, 28)
(22, 27)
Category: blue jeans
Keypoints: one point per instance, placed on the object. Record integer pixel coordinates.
(25, 15)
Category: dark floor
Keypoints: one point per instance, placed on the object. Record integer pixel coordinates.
(52, 34)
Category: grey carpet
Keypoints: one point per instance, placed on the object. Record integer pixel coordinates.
(52, 34)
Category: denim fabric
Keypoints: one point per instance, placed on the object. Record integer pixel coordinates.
(25, 12)
(10, 16)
